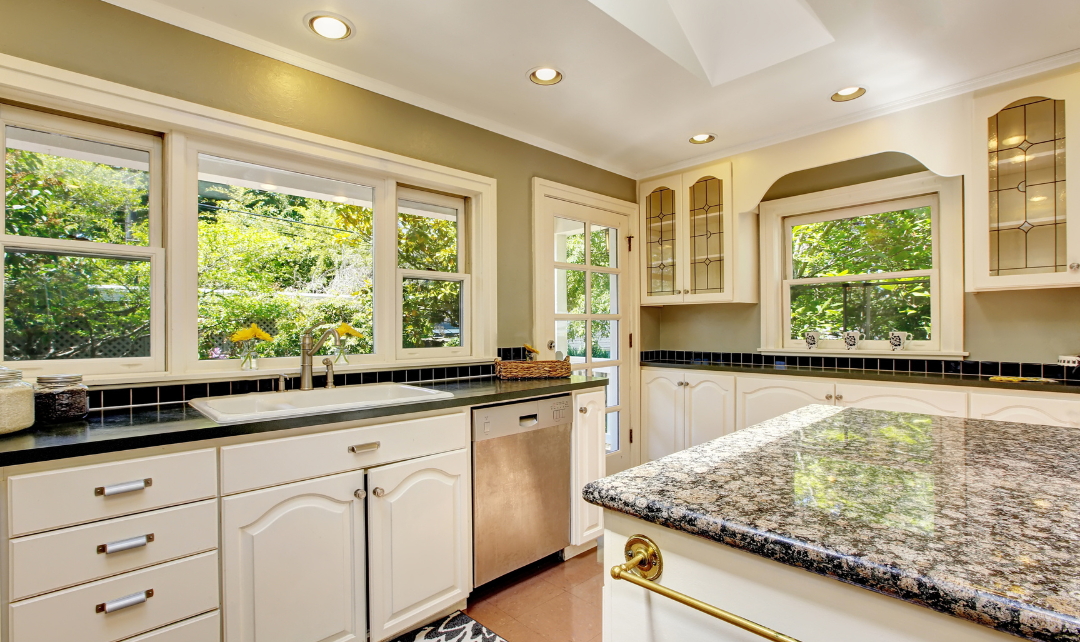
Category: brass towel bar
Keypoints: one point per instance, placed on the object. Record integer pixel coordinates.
(645, 564)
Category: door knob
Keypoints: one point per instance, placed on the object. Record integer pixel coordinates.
(360, 493)
(839, 397)
(583, 410)
(551, 344)
(828, 397)
(378, 492)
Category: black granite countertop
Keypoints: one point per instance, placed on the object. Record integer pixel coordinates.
(976, 519)
(142, 427)
(975, 381)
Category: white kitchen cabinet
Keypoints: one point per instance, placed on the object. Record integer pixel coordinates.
(694, 247)
(293, 562)
(419, 540)
(759, 399)
(589, 458)
(947, 403)
(684, 408)
(1025, 409)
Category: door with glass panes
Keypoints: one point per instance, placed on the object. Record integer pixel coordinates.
(584, 268)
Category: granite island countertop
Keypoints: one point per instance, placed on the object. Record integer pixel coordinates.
(977, 519)
(115, 430)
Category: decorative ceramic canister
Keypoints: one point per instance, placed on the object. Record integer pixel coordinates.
(852, 339)
(812, 340)
(899, 340)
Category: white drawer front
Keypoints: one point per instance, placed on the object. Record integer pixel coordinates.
(204, 628)
(58, 498)
(181, 589)
(279, 461)
(58, 559)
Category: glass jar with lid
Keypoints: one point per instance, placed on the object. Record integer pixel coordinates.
(59, 398)
(16, 402)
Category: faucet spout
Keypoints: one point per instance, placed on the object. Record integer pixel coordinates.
(308, 347)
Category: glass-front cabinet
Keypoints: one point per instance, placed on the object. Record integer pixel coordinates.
(693, 246)
(1020, 231)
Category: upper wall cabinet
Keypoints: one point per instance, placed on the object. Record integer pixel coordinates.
(1020, 232)
(694, 248)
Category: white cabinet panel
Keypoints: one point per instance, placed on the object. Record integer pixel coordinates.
(293, 560)
(661, 412)
(948, 403)
(762, 398)
(587, 520)
(709, 407)
(419, 540)
(205, 628)
(1026, 410)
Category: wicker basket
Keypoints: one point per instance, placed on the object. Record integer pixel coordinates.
(532, 369)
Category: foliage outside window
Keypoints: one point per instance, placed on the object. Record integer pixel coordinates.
(77, 261)
(571, 292)
(869, 272)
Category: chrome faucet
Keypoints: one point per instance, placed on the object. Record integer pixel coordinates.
(309, 347)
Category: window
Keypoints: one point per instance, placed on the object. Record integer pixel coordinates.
(83, 263)
(434, 286)
(286, 251)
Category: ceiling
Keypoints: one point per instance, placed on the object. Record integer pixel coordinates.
(632, 93)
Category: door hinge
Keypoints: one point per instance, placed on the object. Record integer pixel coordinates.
(631, 339)
(630, 243)
(631, 435)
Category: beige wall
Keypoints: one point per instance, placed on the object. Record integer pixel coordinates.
(99, 39)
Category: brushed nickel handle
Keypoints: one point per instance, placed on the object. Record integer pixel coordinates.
(125, 487)
(360, 493)
(125, 544)
(365, 448)
(1074, 266)
(828, 397)
(583, 410)
(124, 602)
(378, 492)
(839, 397)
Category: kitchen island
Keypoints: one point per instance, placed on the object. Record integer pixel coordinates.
(833, 524)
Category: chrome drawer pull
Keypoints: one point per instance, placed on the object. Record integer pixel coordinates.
(126, 487)
(125, 544)
(365, 448)
(124, 602)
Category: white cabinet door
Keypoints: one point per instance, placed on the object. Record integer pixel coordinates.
(661, 412)
(1025, 410)
(762, 398)
(709, 409)
(419, 540)
(588, 456)
(948, 403)
(293, 561)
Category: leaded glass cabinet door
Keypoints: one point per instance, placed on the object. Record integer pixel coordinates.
(1020, 235)
(662, 240)
(707, 228)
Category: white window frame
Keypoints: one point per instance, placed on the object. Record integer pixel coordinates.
(945, 198)
(461, 275)
(154, 252)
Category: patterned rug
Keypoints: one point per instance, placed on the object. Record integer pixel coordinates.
(457, 627)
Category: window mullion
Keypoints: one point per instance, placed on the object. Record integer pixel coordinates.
(387, 282)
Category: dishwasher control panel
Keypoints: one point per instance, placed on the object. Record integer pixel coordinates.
(561, 410)
(501, 421)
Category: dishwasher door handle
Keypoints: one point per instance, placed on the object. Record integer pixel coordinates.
(528, 420)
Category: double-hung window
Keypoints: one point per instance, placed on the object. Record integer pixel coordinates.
(82, 246)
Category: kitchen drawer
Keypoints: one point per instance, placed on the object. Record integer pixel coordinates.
(58, 559)
(279, 461)
(204, 628)
(69, 496)
(181, 589)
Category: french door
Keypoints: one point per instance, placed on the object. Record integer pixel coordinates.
(584, 307)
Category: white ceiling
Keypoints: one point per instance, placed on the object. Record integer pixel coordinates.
(629, 106)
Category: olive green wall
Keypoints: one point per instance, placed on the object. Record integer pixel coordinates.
(99, 39)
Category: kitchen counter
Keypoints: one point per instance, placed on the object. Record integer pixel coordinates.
(975, 519)
(106, 431)
(974, 381)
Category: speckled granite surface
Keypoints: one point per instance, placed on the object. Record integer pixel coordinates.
(977, 519)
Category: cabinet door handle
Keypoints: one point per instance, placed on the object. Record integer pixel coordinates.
(365, 448)
(124, 602)
(828, 397)
(125, 544)
(125, 487)
(583, 410)
(378, 492)
(360, 493)
(839, 397)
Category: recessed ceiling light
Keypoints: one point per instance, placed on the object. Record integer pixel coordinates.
(848, 93)
(545, 76)
(329, 25)
(701, 139)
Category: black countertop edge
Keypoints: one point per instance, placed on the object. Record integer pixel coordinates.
(974, 381)
(78, 439)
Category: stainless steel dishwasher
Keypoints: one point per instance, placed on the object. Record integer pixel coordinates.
(521, 484)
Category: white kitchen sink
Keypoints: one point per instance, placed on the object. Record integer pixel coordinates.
(260, 406)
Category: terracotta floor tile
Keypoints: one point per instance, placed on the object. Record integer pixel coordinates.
(491, 616)
(517, 599)
(591, 590)
(565, 618)
(514, 631)
(573, 571)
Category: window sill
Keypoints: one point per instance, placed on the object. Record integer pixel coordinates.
(900, 354)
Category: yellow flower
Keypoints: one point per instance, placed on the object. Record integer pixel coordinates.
(347, 330)
(247, 334)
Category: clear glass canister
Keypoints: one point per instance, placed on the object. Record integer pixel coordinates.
(16, 402)
(59, 398)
